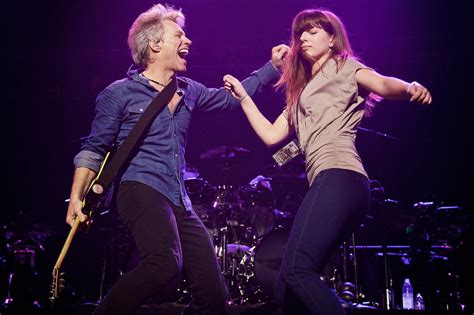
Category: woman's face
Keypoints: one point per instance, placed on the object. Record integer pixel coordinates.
(315, 44)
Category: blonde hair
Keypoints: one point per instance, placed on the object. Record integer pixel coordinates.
(148, 26)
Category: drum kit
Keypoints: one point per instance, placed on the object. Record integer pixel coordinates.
(249, 231)
(250, 223)
(22, 257)
(249, 219)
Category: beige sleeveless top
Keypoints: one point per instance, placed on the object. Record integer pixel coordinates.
(327, 117)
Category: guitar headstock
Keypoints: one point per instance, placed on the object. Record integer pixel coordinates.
(57, 285)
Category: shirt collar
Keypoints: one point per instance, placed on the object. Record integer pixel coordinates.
(134, 71)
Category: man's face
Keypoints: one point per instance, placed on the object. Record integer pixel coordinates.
(174, 47)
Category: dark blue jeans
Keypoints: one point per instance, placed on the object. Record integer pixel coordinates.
(169, 240)
(332, 209)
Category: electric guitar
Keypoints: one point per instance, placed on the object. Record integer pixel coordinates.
(92, 202)
(95, 194)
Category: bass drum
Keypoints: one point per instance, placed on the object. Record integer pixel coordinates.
(258, 211)
(268, 257)
(201, 194)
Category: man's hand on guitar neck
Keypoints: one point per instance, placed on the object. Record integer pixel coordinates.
(83, 177)
(74, 211)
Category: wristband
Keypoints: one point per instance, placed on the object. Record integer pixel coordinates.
(242, 98)
(410, 86)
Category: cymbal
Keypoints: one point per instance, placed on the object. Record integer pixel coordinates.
(225, 153)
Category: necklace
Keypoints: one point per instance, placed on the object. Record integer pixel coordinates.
(154, 81)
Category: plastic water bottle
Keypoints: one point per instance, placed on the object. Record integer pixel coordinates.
(419, 302)
(407, 295)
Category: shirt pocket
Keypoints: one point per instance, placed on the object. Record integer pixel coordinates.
(136, 111)
(189, 102)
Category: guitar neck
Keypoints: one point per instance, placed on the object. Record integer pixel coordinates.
(67, 244)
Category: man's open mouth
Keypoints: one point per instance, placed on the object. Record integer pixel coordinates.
(183, 52)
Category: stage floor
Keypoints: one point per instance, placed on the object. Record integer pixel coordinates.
(176, 309)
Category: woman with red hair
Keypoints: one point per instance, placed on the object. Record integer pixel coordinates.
(328, 91)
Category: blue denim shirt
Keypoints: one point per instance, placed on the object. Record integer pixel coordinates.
(159, 162)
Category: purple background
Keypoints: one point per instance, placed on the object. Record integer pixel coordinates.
(58, 55)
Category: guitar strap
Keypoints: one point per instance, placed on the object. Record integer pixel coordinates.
(110, 169)
(136, 135)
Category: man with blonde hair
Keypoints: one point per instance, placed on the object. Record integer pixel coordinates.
(151, 198)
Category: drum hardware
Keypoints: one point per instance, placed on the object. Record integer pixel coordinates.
(223, 249)
(21, 260)
(237, 218)
(348, 292)
(289, 184)
(442, 247)
(225, 165)
(441, 224)
(261, 264)
(225, 153)
(426, 266)
(250, 232)
(389, 296)
(23, 275)
(190, 172)
(352, 294)
(291, 203)
(259, 216)
(436, 235)
(9, 299)
(389, 301)
(380, 212)
(231, 255)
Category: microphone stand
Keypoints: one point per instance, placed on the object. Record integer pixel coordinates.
(389, 297)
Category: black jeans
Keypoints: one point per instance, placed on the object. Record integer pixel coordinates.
(331, 210)
(169, 240)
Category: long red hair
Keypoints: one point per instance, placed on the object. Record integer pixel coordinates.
(296, 69)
